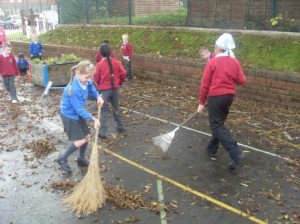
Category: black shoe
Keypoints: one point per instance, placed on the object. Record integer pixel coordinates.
(211, 155)
(64, 165)
(83, 162)
(121, 130)
(102, 136)
(234, 164)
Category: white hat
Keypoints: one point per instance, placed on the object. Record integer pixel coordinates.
(226, 42)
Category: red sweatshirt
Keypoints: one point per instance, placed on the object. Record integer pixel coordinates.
(8, 65)
(220, 76)
(98, 56)
(3, 38)
(127, 50)
(102, 75)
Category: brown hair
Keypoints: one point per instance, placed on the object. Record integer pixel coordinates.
(82, 68)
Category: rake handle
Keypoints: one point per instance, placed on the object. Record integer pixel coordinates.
(97, 129)
(187, 120)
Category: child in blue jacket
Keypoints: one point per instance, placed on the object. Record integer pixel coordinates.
(35, 48)
(22, 65)
(74, 115)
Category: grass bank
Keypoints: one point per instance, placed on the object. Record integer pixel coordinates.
(275, 53)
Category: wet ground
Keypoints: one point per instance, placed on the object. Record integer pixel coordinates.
(195, 189)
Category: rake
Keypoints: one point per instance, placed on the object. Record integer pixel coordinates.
(165, 140)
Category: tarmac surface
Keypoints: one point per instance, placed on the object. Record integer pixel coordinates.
(263, 189)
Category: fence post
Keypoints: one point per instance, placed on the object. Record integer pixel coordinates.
(87, 12)
(129, 12)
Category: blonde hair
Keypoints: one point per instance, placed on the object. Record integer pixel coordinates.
(84, 67)
(125, 38)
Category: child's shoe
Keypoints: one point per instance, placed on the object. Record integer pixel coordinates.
(64, 165)
(14, 101)
(83, 162)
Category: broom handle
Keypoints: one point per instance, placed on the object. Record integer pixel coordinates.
(97, 129)
(187, 120)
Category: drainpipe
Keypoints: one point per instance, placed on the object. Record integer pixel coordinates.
(273, 9)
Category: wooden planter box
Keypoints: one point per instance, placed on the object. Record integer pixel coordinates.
(59, 74)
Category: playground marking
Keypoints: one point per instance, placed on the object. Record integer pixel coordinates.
(185, 188)
(207, 134)
(163, 214)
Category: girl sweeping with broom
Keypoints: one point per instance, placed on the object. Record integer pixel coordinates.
(74, 115)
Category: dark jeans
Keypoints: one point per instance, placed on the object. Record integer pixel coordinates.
(128, 70)
(218, 109)
(9, 84)
(110, 97)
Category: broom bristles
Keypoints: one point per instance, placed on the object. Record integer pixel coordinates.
(164, 141)
(89, 195)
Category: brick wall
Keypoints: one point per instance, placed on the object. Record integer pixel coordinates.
(266, 86)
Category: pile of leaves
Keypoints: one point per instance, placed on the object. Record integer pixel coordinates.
(120, 198)
(40, 147)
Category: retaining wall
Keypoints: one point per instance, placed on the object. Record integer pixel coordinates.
(267, 86)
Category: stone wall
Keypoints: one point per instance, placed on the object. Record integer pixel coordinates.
(267, 86)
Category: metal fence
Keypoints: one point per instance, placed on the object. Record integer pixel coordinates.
(231, 14)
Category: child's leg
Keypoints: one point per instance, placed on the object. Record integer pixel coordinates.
(6, 83)
(104, 111)
(13, 91)
(9, 83)
(116, 112)
(70, 150)
(128, 70)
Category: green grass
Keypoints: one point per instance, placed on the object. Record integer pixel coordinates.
(275, 53)
(16, 36)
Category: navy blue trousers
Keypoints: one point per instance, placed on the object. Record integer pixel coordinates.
(218, 110)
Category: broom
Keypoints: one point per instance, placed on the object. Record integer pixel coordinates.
(164, 141)
(89, 195)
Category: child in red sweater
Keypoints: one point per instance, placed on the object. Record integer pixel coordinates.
(126, 50)
(109, 76)
(8, 70)
(98, 56)
(221, 75)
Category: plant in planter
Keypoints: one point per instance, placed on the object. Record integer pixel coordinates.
(55, 69)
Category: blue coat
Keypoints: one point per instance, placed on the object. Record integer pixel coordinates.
(35, 49)
(73, 106)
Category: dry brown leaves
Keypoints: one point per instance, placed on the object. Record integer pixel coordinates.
(120, 198)
(40, 147)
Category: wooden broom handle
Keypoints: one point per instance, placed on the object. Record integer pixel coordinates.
(97, 129)
(187, 120)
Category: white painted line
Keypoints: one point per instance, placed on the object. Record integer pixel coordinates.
(163, 214)
(207, 134)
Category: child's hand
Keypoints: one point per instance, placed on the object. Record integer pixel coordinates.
(100, 101)
(96, 123)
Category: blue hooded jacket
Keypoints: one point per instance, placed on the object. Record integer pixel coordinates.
(73, 106)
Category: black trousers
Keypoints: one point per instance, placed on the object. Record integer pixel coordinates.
(218, 110)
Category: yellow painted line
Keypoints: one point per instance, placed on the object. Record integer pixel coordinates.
(186, 188)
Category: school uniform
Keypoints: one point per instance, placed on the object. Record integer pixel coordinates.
(3, 39)
(73, 113)
(220, 76)
(127, 51)
(36, 50)
(23, 66)
(8, 71)
(109, 84)
(98, 56)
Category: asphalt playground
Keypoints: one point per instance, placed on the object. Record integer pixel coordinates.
(195, 187)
